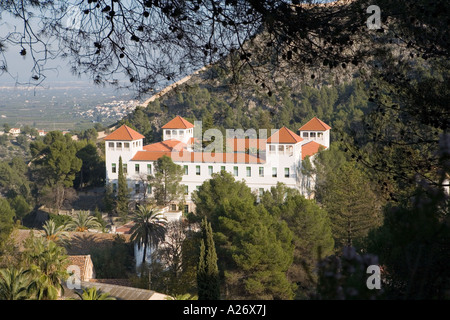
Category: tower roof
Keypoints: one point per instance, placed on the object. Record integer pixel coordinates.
(124, 133)
(315, 124)
(284, 135)
(178, 123)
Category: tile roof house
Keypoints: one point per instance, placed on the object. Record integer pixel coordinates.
(80, 244)
(260, 162)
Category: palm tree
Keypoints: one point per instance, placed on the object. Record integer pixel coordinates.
(55, 233)
(149, 228)
(94, 294)
(84, 221)
(47, 262)
(14, 284)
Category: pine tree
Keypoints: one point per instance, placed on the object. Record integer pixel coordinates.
(166, 181)
(122, 193)
(353, 206)
(208, 272)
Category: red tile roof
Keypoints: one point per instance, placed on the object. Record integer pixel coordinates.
(167, 145)
(150, 155)
(284, 135)
(187, 156)
(124, 133)
(311, 148)
(315, 124)
(178, 123)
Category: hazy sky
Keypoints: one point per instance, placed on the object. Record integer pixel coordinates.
(20, 67)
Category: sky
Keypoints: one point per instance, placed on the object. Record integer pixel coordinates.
(20, 67)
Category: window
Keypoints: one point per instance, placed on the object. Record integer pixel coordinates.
(272, 148)
(126, 145)
(286, 172)
(119, 145)
(186, 190)
(149, 189)
(111, 145)
(319, 135)
(261, 171)
(312, 135)
(136, 168)
(281, 149)
(290, 150)
(186, 208)
(114, 185)
(174, 132)
(181, 133)
(113, 168)
(167, 132)
(274, 172)
(235, 171)
(186, 169)
(261, 192)
(136, 188)
(125, 168)
(173, 207)
(222, 168)
(305, 134)
(197, 170)
(210, 170)
(149, 169)
(249, 171)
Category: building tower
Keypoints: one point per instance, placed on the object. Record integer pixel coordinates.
(178, 129)
(123, 142)
(316, 130)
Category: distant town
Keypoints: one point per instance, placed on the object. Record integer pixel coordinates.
(64, 106)
(113, 110)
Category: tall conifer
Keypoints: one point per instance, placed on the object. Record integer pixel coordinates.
(122, 192)
(208, 273)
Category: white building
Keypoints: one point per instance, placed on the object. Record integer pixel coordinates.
(14, 131)
(261, 163)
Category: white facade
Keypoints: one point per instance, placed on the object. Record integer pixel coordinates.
(182, 135)
(280, 162)
(321, 137)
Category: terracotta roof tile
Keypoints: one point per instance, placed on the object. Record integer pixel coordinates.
(150, 155)
(311, 148)
(167, 145)
(284, 135)
(315, 124)
(124, 133)
(178, 123)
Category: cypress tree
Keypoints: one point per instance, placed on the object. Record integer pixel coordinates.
(122, 193)
(208, 273)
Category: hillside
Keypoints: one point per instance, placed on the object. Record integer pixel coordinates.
(219, 100)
